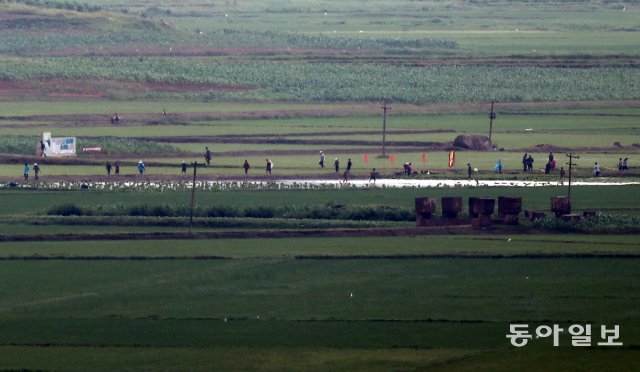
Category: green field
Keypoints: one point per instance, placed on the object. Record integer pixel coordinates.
(29, 202)
(281, 312)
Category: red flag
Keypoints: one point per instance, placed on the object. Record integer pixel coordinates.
(392, 158)
(423, 159)
(452, 159)
(366, 158)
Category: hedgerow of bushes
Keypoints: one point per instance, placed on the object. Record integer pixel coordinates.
(26, 145)
(67, 5)
(316, 212)
(599, 224)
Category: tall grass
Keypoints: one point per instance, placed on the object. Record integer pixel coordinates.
(328, 211)
(599, 224)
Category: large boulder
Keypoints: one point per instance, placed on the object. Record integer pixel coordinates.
(473, 142)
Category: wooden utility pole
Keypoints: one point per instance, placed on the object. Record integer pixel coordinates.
(571, 164)
(193, 195)
(384, 128)
(492, 116)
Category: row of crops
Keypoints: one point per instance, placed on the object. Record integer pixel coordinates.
(18, 39)
(344, 82)
(67, 5)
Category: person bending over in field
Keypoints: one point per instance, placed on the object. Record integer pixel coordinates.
(141, 167)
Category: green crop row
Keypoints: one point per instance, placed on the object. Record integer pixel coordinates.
(207, 222)
(26, 145)
(67, 5)
(324, 212)
(599, 224)
(345, 82)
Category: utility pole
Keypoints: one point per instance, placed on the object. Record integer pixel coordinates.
(571, 164)
(492, 116)
(384, 128)
(193, 195)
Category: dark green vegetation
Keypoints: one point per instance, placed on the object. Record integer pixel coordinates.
(321, 278)
(23, 145)
(28, 202)
(600, 224)
(328, 211)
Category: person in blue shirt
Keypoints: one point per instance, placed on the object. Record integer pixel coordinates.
(141, 167)
(26, 171)
(498, 166)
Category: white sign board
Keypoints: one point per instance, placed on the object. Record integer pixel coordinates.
(59, 146)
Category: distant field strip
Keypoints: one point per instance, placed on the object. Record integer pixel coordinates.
(345, 82)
